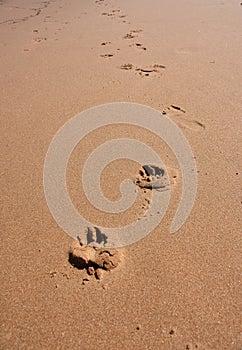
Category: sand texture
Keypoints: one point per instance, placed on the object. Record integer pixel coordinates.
(167, 291)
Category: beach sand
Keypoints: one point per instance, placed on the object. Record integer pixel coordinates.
(170, 291)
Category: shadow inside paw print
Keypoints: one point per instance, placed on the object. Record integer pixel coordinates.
(94, 235)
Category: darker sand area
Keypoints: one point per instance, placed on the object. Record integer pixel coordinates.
(169, 291)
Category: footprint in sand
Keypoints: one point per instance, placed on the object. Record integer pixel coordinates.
(154, 70)
(94, 260)
(153, 178)
(138, 46)
(38, 40)
(106, 43)
(126, 66)
(178, 114)
(132, 34)
(136, 31)
(101, 2)
(129, 36)
(108, 14)
(107, 55)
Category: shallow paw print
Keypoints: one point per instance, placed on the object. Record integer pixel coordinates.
(104, 43)
(129, 36)
(154, 70)
(136, 31)
(139, 46)
(126, 66)
(107, 55)
(178, 114)
(191, 346)
(132, 34)
(39, 39)
(108, 14)
(173, 175)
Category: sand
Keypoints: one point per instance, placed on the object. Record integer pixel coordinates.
(170, 291)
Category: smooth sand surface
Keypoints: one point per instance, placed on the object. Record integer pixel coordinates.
(171, 291)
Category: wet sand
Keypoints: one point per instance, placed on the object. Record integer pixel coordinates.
(170, 291)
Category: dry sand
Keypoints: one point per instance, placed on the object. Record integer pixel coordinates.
(58, 58)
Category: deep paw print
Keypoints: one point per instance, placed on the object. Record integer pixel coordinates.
(152, 177)
(92, 259)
